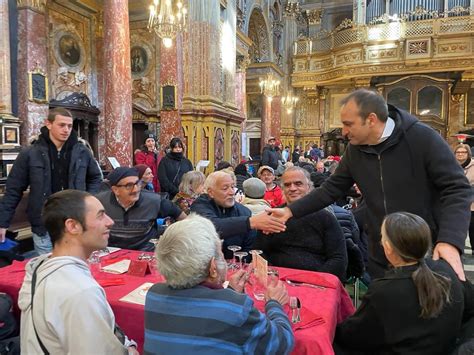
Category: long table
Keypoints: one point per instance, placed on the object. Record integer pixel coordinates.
(333, 305)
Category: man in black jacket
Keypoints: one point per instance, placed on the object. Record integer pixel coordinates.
(233, 221)
(314, 242)
(399, 164)
(56, 161)
(270, 155)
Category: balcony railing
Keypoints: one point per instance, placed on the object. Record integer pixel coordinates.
(350, 33)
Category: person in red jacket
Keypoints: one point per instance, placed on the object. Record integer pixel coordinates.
(149, 155)
(273, 194)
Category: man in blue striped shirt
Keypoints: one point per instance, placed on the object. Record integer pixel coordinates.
(193, 313)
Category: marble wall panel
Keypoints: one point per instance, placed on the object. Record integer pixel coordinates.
(32, 39)
(275, 124)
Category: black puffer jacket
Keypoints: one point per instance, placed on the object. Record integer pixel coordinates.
(32, 168)
(414, 170)
(170, 171)
(355, 248)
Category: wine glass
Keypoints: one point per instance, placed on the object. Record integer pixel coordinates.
(94, 262)
(233, 248)
(240, 255)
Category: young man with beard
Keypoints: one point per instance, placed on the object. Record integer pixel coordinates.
(54, 162)
(63, 309)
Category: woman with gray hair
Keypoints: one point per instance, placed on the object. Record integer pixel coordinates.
(191, 186)
(193, 312)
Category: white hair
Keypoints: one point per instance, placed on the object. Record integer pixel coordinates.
(185, 250)
(212, 178)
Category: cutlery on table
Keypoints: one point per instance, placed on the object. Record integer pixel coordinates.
(297, 283)
(293, 307)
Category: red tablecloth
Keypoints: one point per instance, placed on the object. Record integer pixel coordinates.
(333, 305)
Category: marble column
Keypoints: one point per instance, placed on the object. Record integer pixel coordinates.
(117, 82)
(275, 124)
(171, 74)
(32, 54)
(240, 84)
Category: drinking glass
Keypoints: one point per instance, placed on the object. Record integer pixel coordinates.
(94, 262)
(153, 267)
(233, 248)
(240, 255)
(258, 286)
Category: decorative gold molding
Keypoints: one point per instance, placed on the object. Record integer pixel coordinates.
(99, 24)
(467, 76)
(38, 87)
(37, 5)
(267, 65)
(433, 66)
(457, 98)
(362, 82)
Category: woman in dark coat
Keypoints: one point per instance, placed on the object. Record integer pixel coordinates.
(172, 168)
(416, 308)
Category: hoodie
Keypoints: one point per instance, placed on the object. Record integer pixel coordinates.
(414, 170)
(71, 312)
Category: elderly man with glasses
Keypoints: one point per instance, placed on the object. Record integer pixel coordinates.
(134, 213)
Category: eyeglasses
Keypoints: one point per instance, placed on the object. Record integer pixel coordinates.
(461, 152)
(131, 185)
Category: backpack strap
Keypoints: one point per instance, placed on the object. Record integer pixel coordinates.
(33, 287)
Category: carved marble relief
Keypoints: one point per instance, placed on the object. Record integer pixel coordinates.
(259, 51)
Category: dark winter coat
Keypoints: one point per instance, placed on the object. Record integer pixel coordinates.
(388, 320)
(354, 246)
(232, 223)
(314, 242)
(32, 168)
(414, 170)
(270, 157)
(170, 171)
